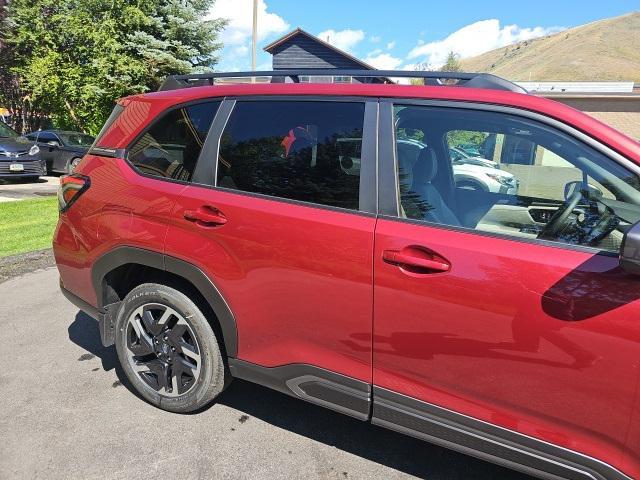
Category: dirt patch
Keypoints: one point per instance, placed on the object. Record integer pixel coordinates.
(17, 265)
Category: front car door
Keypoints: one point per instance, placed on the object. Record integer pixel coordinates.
(502, 321)
(282, 222)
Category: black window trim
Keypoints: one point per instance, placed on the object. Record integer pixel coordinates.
(124, 153)
(389, 204)
(368, 201)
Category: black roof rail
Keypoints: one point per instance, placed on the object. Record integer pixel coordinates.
(469, 80)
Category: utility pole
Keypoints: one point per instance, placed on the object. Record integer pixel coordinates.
(254, 39)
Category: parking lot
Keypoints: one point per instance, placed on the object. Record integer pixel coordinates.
(67, 412)
(15, 189)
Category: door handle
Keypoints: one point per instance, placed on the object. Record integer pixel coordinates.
(206, 216)
(421, 260)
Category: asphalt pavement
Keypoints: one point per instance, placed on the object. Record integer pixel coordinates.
(67, 412)
(16, 189)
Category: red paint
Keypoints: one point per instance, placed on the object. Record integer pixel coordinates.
(541, 340)
(298, 279)
(538, 339)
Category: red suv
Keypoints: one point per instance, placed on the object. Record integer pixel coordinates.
(320, 240)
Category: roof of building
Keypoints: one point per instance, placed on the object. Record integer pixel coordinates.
(591, 90)
(298, 31)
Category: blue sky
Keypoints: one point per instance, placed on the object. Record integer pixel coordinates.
(402, 33)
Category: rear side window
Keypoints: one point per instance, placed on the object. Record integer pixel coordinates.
(300, 150)
(171, 146)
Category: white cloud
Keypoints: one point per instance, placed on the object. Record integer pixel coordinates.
(342, 39)
(475, 39)
(383, 61)
(240, 16)
(391, 45)
(375, 38)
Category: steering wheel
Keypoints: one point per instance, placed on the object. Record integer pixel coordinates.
(560, 219)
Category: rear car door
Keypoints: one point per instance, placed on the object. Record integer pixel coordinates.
(499, 300)
(281, 218)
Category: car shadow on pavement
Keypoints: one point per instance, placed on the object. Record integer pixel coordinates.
(85, 333)
(376, 444)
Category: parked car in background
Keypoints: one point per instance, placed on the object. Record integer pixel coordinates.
(469, 175)
(19, 157)
(459, 156)
(61, 150)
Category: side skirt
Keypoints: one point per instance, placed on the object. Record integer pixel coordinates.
(313, 384)
(484, 440)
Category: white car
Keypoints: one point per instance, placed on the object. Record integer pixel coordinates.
(489, 179)
(469, 175)
(459, 156)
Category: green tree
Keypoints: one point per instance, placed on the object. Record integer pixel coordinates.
(452, 64)
(71, 59)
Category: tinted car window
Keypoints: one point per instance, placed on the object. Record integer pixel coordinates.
(519, 178)
(77, 139)
(170, 148)
(308, 151)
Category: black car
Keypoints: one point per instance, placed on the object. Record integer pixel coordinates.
(61, 150)
(19, 157)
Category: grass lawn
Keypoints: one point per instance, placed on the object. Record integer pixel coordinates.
(27, 225)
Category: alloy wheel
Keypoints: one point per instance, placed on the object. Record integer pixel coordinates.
(162, 349)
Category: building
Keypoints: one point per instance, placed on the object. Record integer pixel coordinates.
(614, 103)
(300, 49)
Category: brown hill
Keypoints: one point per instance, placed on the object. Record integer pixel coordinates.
(608, 49)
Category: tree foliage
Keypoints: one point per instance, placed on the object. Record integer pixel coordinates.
(452, 64)
(71, 59)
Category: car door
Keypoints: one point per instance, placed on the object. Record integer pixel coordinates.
(494, 305)
(282, 222)
(60, 154)
(47, 152)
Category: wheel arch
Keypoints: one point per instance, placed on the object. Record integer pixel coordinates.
(115, 273)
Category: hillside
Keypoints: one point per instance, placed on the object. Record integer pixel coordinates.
(604, 50)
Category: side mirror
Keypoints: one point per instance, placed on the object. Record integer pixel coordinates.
(53, 143)
(630, 250)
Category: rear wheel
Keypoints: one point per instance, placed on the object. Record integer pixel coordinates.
(72, 164)
(168, 350)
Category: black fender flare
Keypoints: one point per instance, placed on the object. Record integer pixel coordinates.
(125, 254)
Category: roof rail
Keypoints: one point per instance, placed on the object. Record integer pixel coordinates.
(469, 80)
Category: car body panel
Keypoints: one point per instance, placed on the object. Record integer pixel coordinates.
(520, 335)
(297, 278)
(120, 208)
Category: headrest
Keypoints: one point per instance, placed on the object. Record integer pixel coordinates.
(426, 167)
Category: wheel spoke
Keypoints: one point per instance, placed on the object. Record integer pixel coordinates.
(161, 371)
(150, 323)
(189, 351)
(145, 340)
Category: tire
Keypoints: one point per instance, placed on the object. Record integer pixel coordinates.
(168, 350)
(72, 164)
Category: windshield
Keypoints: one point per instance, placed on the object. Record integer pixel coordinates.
(77, 139)
(6, 130)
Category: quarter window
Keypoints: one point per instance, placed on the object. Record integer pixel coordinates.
(170, 148)
(299, 150)
(508, 175)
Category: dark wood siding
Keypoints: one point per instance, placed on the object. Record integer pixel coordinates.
(303, 52)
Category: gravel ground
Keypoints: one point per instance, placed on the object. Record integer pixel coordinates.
(17, 265)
